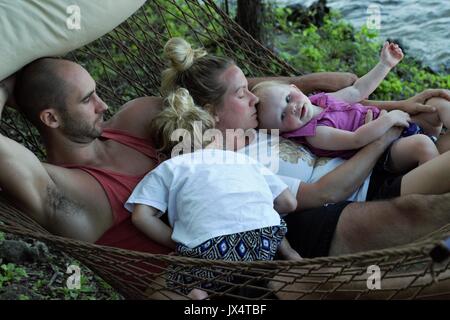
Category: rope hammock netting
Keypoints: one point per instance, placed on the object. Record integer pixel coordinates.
(129, 62)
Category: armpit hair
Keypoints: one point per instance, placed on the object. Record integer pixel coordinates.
(60, 205)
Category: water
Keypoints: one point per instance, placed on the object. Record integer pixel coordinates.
(423, 27)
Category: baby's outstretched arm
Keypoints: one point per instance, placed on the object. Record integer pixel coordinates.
(335, 139)
(390, 56)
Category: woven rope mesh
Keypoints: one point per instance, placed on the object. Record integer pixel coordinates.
(128, 64)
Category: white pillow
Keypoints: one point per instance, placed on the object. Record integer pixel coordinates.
(31, 29)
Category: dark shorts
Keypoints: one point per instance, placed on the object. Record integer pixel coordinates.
(310, 232)
(252, 245)
(383, 184)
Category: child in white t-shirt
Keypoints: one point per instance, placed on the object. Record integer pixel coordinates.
(221, 205)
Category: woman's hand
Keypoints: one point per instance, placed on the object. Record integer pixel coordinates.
(417, 103)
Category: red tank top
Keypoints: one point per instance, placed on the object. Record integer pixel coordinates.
(118, 188)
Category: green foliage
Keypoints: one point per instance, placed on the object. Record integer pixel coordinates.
(336, 46)
(92, 287)
(10, 273)
(2, 237)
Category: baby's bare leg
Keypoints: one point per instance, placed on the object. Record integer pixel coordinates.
(443, 109)
(432, 122)
(409, 152)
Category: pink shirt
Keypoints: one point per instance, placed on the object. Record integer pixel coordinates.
(336, 114)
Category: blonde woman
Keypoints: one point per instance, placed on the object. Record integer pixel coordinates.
(219, 86)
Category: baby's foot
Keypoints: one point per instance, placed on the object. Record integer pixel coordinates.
(197, 294)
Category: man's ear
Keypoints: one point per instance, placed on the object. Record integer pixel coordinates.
(50, 118)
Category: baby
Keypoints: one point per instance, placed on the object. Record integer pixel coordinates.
(333, 124)
(221, 204)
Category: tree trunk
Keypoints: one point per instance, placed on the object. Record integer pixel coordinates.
(250, 17)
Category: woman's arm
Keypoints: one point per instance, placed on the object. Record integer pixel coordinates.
(320, 81)
(340, 183)
(145, 219)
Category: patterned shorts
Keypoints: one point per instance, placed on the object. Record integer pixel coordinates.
(254, 245)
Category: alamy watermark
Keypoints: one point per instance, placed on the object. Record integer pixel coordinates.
(374, 279)
(73, 282)
(249, 142)
(374, 18)
(73, 21)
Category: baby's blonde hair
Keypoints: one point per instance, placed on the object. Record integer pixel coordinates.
(267, 84)
(180, 112)
(260, 90)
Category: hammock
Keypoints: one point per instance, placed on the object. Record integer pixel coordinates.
(130, 64)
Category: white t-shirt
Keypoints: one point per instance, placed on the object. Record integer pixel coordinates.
(294, 163)
(210, 193)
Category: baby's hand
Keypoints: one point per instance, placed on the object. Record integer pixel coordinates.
(391, 54)
(399, 118)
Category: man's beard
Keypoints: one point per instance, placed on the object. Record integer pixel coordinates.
(79, 131)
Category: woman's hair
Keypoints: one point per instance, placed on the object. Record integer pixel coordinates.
(196, 71)
(180, 112)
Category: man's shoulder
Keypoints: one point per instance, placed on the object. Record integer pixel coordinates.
(143, 102)
(135, 116)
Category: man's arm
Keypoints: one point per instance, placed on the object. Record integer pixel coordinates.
(24, 179)
(413, 105)
(320, 81)
(21, 173)
(384, 105)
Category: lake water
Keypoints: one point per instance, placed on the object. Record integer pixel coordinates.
(423, 27)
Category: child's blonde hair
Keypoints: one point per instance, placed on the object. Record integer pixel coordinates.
(180, 112)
